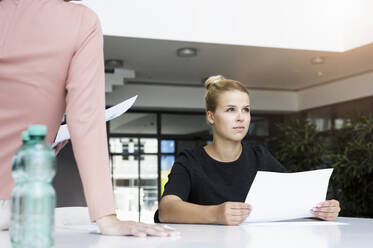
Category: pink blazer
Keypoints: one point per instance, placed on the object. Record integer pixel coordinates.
(51, 62)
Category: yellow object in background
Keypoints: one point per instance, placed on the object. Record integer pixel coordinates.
(164, 179)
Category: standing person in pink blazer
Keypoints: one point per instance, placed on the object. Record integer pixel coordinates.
(51, 62)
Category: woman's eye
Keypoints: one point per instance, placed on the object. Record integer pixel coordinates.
(247, 110)
(230, 109)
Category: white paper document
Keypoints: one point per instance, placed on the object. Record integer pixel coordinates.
(110, 113)
(283, 196)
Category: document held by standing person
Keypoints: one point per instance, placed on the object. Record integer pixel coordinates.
(110, 113)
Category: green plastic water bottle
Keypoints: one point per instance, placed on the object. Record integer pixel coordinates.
(39, 194)
(17, 197)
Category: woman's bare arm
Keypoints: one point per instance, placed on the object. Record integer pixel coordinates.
(173, 209)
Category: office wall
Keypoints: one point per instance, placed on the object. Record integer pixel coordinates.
(267, 101)
(339, 91)
(179, 98)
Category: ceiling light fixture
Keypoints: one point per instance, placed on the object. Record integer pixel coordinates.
(317, 60)
(186, 52)
(113, 63)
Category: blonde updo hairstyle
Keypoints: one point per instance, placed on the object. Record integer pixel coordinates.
(215, 85)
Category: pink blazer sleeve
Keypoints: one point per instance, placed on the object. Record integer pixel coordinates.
(85, 106)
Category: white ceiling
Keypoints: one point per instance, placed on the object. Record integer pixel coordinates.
(155, 61)
(332, 25)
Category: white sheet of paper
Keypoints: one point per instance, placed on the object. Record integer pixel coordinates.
(283, 196)
(110, 113)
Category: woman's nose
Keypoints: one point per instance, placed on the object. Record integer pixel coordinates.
(239, 116)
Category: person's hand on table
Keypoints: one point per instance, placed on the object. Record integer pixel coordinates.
(327, 210)
(111, 225)
(232, 213)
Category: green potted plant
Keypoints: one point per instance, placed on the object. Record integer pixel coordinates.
(352, 160)
(298, 146)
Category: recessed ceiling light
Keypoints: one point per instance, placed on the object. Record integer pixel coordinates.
(113, 63)
(317, 60)
(186, 52)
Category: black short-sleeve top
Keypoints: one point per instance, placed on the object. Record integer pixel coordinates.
(197, 178)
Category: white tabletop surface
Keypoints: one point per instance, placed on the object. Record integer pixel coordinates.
(344, 232)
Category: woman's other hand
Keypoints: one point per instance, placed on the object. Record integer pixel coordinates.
(111, 225)
(327, 210)
(232, 213)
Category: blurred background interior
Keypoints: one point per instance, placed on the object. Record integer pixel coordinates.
(309, 60)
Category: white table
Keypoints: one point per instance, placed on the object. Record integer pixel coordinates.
(357, 232)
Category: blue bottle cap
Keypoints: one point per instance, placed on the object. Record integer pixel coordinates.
(37, 130)
(25, 136)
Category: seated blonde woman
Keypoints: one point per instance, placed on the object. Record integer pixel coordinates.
(208, 185)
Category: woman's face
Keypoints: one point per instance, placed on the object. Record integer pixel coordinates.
(231, 118)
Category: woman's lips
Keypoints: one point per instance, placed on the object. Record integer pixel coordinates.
(239, 128)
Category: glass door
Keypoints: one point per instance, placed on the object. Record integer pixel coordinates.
(134, 167)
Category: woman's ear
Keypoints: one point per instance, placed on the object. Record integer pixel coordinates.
(210, 117)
